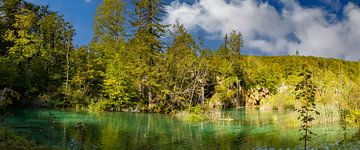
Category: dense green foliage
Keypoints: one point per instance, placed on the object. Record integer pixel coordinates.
(149, 66)
(140, 71)
(33, 60)
(136, 63)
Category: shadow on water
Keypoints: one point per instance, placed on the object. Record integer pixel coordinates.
(82, 130)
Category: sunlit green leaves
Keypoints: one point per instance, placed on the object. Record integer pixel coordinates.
(24, 40)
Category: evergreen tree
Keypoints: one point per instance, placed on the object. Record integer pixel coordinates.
(110, 44)
(146, 47)
(226, 72)
(109, 21)
(224, 48)
(235, 42)
(109, 28)
(147, 20)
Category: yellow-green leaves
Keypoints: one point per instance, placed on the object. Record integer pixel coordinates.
(109, 21)
(24, 40)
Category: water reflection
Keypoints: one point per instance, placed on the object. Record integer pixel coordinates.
(251, 128)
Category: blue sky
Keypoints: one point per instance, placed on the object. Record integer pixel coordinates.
(79, 13)
(327, 28)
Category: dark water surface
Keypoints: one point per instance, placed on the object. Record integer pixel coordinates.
(250, 129)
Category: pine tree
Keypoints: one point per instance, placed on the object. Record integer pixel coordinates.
(109, 21)
(146, 46)
(109, 42)
(224, 49)
(235, 42)
(109, 31)
(226, 71)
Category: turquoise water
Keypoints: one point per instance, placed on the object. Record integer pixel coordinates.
(250, 129)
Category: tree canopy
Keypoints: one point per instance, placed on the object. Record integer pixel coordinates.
(136, 63)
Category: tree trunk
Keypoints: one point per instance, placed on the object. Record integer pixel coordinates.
(150, 98)
(202, 99)
(67, 70)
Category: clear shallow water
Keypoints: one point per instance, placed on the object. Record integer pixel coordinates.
(250, 129)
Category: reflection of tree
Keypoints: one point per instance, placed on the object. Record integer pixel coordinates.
(49, 128)
(239, 139)
(139, 131)
(80, 136)
(110, 135)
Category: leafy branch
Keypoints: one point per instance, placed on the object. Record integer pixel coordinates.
(306, 94)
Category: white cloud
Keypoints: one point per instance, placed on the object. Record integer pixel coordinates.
(87, 1)
(270, 31)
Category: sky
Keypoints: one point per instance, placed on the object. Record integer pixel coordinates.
(326, 28)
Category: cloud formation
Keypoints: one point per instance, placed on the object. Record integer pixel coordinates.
(271, 31)
(87, 1)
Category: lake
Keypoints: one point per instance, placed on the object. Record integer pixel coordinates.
(250, 129)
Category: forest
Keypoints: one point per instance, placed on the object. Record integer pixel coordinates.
(135, 63)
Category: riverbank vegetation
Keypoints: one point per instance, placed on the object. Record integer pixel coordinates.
(136, 63)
